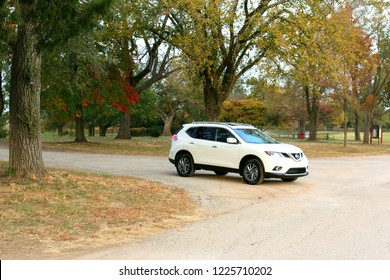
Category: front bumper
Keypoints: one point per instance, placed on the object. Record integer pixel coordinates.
(294, 172)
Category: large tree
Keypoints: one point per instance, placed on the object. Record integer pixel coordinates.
(72, 73)
(41, 24)
(319, 48)
(140, 56)
(352, 63)
(375, 98)
(285, 102)
(221, 39)
(175, 94)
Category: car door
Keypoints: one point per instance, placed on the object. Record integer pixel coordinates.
(201, 144)
(225, 154)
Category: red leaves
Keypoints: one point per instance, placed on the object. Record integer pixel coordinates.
(116, 91)
(130, 96)
(130, 93)
(120, 107)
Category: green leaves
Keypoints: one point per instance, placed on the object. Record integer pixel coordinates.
(221, 40)
(56, 21)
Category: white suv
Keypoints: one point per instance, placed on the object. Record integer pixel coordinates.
(233, 147)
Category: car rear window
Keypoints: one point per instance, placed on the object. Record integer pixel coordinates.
(191, 132)
(202, 132)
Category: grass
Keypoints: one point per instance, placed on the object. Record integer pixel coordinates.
(75, 211)
(146, 146)
(334, 147)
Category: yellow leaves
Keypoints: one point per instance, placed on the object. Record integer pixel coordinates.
(325, 45)
(339, 119)
(369, 103)
(246, 111)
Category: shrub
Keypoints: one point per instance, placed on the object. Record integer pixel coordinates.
(155, 131)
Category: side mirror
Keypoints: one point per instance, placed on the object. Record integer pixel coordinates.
(232, 140)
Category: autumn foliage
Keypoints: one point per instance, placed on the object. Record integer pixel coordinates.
(130, 96)
(117, 91)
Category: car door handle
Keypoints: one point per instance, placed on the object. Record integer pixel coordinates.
(191, 143)
(214, 147)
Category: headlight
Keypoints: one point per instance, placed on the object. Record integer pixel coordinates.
(274, 154)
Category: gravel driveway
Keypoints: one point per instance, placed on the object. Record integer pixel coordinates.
(340, 211)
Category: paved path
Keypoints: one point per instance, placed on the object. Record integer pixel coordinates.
(340, 211)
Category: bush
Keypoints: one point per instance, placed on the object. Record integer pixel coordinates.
(138, 131)
(155, 131)
(3, 133)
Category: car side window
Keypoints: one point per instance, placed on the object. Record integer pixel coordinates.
(205, 133)
(222, 135)
(191, 132)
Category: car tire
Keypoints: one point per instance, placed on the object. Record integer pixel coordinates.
(289, 179)
(185, 165)
(253, 172)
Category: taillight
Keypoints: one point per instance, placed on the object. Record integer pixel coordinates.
(174, 137)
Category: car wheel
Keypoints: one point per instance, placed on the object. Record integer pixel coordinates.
(221, 173)
(185, 165)
(252, 172)
(289, 179)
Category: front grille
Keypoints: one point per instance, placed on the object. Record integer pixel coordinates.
(296, 170)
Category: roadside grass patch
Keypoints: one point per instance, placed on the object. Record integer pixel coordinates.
(71, 210)
(335, 148)
(145, 146)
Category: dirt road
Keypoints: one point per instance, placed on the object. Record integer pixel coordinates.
(340, 211)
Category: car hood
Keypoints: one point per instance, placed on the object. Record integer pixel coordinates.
(279, 147)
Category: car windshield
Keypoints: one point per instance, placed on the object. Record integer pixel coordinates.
(255, 136)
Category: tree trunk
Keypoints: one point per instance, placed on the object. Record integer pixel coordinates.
(91, 130)
(124, 126)
(301, 128)
(1, 92)
(212, 100)
(167, 124)
(25, 158)
(60, 130)
(313, 120)
(367, 127)
(357, 126)
(103, 130)
(345, 123)
(80, 134)
(313, 110)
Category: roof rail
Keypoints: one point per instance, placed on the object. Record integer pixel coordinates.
(223, 123)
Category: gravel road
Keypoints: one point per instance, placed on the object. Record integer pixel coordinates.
(340, 211)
